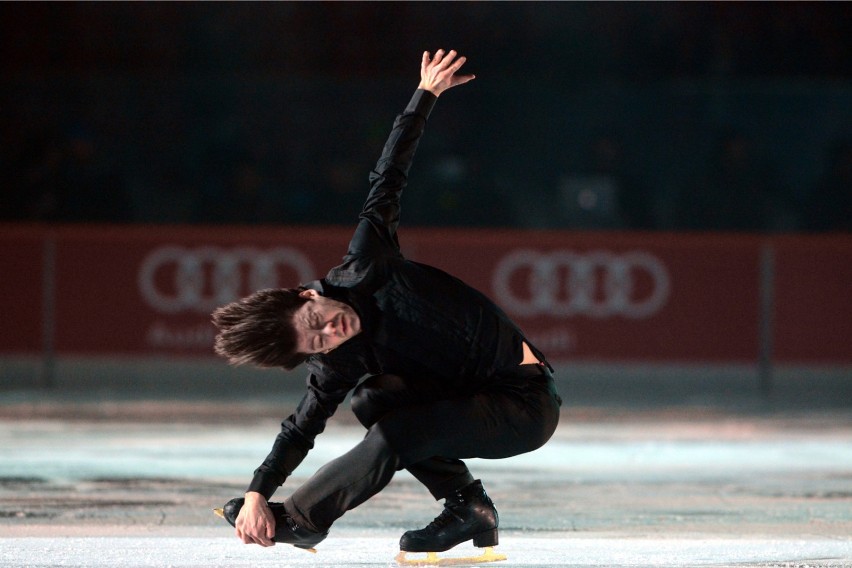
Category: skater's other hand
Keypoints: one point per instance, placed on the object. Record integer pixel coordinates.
(255, 523)
(438, 73)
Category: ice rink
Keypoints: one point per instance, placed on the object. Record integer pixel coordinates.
(132, 483)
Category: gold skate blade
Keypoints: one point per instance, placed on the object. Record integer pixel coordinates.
(432, 558)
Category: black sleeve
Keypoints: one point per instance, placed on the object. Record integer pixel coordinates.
(326, 390)
(376, 231)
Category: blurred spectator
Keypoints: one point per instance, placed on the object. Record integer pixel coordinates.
(736, 191)
(455, 192)
(455, 187)
(147, 89)
(232, 179)
(89, 190)
(31, 179)
(603, 193)
(64, 178)
(161, 192)
(247, 196)
(343, 192)
(829, 207)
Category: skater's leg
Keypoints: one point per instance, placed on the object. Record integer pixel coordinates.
(343, 483)
(517, 413)
(420, 419)
(441, 476)
(513, 416)
(380, 394)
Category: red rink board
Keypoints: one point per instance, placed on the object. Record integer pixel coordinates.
(21, 284)
(150, 291)
(581, 296)
(614, 297)
(813, 300)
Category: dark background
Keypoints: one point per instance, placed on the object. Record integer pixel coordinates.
(641, 116)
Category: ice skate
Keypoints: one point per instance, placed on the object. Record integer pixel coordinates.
(286, 529)
(468, 514)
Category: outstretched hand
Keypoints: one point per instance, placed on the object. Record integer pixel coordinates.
(437, 74)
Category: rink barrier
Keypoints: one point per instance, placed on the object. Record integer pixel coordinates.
(590, 297)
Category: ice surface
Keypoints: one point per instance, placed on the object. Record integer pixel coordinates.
(655, 491)
(348, 552)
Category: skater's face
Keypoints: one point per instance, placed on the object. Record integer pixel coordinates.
(322, 323)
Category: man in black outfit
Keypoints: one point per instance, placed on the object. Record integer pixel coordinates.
(448, 375)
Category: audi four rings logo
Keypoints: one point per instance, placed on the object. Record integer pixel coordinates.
(597, 284)
(174, 279)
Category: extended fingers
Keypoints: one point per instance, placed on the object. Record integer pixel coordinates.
(457, 63)
(444, 65)
(442, 59)
(438, 73)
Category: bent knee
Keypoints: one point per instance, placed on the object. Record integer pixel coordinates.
(374, 398)
(363, 408)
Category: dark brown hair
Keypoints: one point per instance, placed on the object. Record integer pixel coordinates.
(258, 329)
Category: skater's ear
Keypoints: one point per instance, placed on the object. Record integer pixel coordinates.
(309, 294)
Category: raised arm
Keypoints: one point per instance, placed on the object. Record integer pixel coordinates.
(376, 232)
(437, 74)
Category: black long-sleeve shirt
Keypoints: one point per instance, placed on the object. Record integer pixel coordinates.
(416, 320)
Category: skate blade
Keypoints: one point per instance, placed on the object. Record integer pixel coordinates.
(432, 558)
(221, 513)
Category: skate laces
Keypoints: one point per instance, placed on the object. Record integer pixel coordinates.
(445, 518)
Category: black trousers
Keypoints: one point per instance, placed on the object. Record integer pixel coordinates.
(427, 429)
